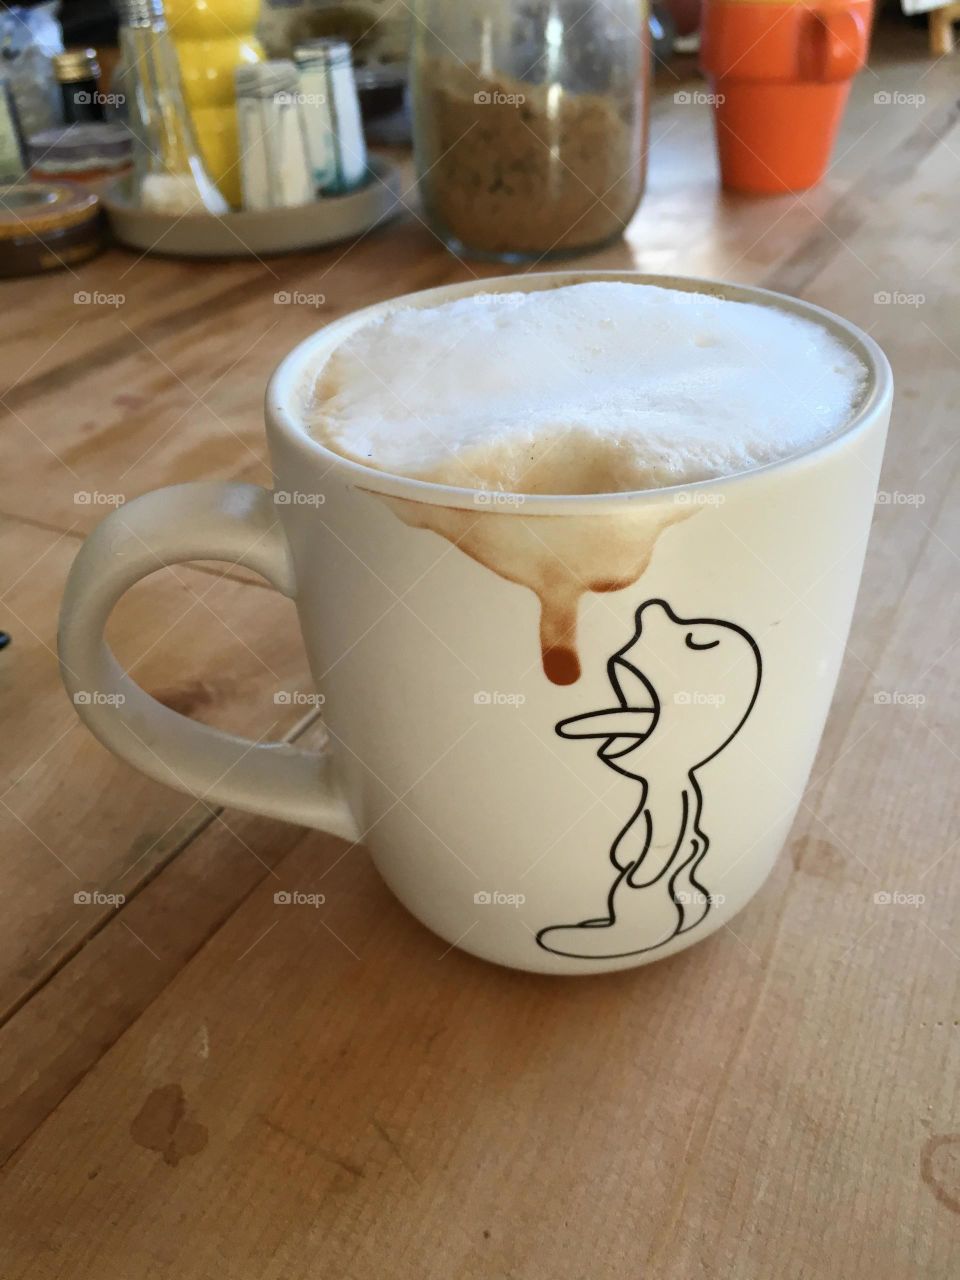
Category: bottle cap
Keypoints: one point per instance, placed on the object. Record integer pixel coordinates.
(263, 79)
(322, 49)
(141, 13)
(76, 64)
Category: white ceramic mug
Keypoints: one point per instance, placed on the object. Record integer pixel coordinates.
(569, 824)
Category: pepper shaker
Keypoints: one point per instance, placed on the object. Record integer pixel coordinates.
(331, 112)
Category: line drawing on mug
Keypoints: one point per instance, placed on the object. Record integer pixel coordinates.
(692, 682)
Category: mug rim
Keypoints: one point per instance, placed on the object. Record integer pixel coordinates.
(287, 378)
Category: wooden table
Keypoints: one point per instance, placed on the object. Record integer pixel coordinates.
(200, 1084)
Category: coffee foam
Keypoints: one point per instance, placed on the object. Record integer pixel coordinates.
(598, 387)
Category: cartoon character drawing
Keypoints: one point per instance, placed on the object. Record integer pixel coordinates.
(684, 689)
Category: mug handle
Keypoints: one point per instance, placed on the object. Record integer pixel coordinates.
(840, 48)
(211, 521)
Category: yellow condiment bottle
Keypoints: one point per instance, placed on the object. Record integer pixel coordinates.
(212, 39)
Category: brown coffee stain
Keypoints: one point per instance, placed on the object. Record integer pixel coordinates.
(817, 858)
(558, 558)
(188, 698)
(561, 664)
(161, 1125)
(940, 1169)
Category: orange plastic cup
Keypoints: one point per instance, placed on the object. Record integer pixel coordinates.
(780, 74)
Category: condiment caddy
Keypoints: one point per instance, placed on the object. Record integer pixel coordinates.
(201, 148)
(257, 233)
(301, 165)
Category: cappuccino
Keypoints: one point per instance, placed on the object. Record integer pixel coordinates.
(597, 387)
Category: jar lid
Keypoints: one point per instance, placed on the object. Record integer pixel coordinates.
(322, 49)
(36, 207)
(264, 79)
(79, 146)
(76, 64)
(141, 13)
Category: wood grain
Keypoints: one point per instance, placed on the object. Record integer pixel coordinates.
(125, 959)
(208, 1082)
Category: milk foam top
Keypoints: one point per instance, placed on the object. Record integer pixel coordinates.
(599, 387)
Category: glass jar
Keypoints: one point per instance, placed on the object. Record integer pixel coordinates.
(530, 122)
(78, 75)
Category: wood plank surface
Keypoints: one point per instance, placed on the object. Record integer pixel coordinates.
(73, 818)
(209, 1083)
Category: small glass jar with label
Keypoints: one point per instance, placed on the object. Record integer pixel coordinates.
(78, 75)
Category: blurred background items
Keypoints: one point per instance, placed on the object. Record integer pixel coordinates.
(528, 118)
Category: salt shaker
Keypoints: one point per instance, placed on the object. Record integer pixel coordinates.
(171, 177)
(274, 167)
(331, 112)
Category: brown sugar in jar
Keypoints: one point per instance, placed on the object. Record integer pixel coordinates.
(520, 167)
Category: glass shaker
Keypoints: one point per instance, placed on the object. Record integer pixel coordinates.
(170, 175)
(275, 171)
(530, 122)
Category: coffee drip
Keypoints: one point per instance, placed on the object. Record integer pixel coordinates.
(558, 558)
